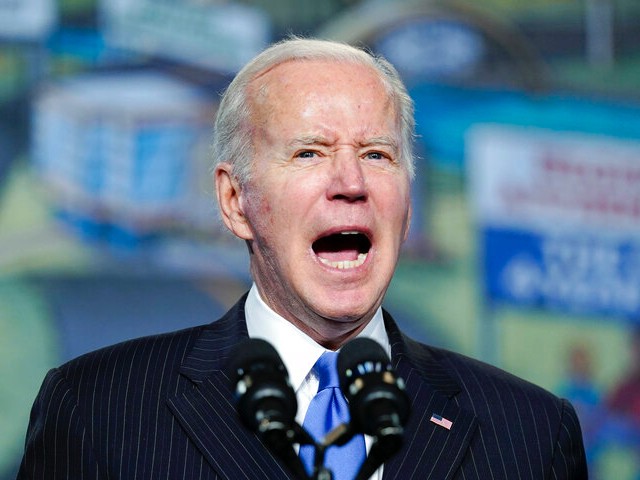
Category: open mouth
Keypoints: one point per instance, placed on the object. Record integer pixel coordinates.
(343, 250)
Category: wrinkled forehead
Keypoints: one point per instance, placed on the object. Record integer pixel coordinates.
(303, 79)
(314, 73)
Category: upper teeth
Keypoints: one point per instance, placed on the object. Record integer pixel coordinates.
(345, 264)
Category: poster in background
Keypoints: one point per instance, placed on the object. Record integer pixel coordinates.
(559, 219)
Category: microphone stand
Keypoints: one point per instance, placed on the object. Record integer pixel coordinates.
(381, 449)
(280, 439)
(387, 441)
(338, 436)
(384, 446)
(283, 447)
(375, 458)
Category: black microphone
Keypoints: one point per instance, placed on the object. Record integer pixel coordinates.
(266, 402)
(378, 403)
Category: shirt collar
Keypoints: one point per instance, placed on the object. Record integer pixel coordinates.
(297, 350)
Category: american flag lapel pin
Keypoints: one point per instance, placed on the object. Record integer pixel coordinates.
(443, 422)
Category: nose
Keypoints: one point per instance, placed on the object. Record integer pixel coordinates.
(347, 178)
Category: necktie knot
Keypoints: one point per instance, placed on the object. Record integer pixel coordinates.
(326, 369)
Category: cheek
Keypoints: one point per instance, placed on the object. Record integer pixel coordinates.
(267, 216)
(397, 199)
(257, 212)
(399, 211)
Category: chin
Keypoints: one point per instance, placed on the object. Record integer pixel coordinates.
(347, 311)
(343, 301)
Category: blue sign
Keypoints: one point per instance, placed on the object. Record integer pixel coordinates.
(572, 272)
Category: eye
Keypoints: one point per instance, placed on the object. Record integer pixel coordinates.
(376, 156)
(306, 154)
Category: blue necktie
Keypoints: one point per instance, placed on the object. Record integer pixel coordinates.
(326, 411)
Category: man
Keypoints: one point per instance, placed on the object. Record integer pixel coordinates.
(313, 170)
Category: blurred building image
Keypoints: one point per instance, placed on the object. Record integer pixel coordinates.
(124, 155)
(524, 249)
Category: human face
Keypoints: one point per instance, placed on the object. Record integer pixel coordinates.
(326, 208)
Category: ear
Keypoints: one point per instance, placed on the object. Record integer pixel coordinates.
(230, 201)
(408, 224)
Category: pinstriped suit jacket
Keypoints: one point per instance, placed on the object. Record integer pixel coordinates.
(162, 408)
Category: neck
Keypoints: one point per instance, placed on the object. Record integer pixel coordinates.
(334, 338)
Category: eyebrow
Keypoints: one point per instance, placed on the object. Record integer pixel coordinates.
(382, 141)
(322, 140)
(310, 140)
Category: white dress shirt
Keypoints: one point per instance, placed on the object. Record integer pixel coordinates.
(299, 352)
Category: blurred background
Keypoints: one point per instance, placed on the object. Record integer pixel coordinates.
(525, 243)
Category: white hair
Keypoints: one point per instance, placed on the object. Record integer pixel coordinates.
(232, 140)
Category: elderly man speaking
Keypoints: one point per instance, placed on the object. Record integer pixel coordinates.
(313, 170)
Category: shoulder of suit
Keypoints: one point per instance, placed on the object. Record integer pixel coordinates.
(475, 375)
(167, 347)
(163, 352)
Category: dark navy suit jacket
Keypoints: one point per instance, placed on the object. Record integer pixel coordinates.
(162, 408)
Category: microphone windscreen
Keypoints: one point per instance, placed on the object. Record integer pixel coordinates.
(266, 401)
(378, 403)
(251, 354)
(265, 398)
(357, 352)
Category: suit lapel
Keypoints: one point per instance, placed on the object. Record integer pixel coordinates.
(208, 415)
(430, 451)
(207, 411)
